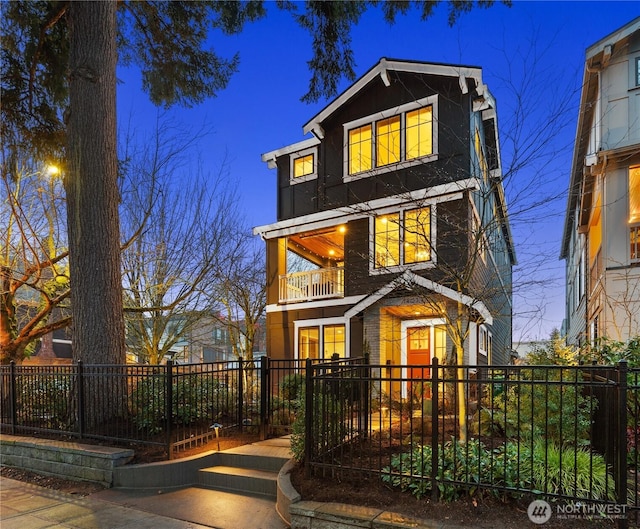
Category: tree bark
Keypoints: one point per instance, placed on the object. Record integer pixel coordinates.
(92, 188)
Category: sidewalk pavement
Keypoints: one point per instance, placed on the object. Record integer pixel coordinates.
(26, 506)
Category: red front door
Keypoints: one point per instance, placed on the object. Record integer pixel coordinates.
(419, 356)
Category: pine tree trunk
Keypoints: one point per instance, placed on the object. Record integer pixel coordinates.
(92, 188)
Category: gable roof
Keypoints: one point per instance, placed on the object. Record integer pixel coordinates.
(407, 280)
(382, 70)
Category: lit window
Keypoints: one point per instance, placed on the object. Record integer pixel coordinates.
(333, 340)
(308, 341)
(388, 141)
(634, 194)
(416, 235)
(637, 71)
(378, 142)
(407, 243)
(387, 236)
(419, 133)
(634, 212)
(321, 341)
(360, 149)
(303, 166)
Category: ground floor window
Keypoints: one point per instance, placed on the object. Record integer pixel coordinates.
(320, 340)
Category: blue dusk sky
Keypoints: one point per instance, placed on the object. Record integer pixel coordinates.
(532, 56)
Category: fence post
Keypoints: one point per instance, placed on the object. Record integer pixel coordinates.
(435, 399)
(264, 397)
(12, 396)
(240, 393)
(621, 433)
(308, 417)
(81, 404)
(364, 393)
(169, 406)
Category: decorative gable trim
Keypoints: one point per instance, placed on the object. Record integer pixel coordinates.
(382, 69)
(271, 156)
(407, 280)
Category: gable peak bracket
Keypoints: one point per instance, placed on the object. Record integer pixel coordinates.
(384, 75)
(462, 81)
(318, 131)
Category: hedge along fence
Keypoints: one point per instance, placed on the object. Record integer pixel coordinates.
(559, 432)
(169, 407)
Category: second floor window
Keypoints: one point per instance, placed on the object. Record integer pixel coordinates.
(402, 238)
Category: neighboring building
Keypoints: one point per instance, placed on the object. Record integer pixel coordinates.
(601, 241)
(379, 215)
(209, 340)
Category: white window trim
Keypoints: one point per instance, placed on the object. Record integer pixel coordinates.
(401, 267)
(299, 154)
(321, 323)
(386, 114)
(486, 353)
(406, 324)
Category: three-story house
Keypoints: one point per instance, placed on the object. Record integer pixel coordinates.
(392, 235)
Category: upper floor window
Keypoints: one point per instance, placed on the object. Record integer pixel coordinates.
(303, 166)
(637, 71)
(402, 238)
(634, 212)
(360, 142)
(379, 143)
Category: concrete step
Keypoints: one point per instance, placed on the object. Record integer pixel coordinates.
(250, 481)
(256, 459)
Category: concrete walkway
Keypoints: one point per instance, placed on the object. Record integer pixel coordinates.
(26, 506)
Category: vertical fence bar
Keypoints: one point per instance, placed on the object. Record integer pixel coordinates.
(308, 417)
(80, 399)
(435, 397)
(169, 407)
(240, 401)
(365, 394)
(12, 397)
(264, 397)
(621, 433)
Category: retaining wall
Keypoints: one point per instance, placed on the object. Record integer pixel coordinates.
(63, 459)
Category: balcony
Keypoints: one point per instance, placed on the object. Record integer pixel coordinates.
(323, 283)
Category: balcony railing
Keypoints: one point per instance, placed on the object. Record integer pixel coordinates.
(314, 284)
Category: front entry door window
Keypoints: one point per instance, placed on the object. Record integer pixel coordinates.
(418, 357)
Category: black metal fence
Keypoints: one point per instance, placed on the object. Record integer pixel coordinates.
(170, 407)
(563, 433)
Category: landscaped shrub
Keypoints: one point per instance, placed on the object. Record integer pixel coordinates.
(46, 401)
(292, 386)
(570, 471)
(195, 399)
(329, 429)
(514, 467)
(545, 404)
